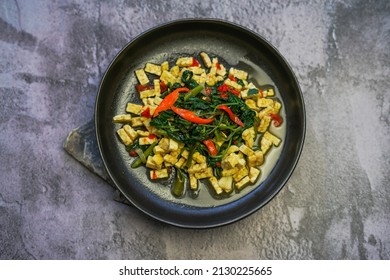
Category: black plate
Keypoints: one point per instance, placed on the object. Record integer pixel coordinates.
(235, 45)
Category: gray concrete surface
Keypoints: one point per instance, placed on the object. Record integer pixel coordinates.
(335, 206)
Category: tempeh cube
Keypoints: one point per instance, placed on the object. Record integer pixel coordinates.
(141, 76)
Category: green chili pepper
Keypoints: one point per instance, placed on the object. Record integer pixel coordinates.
(194, 92)
(162, 132)
(147, 152)
(178, 185)
(191, 154)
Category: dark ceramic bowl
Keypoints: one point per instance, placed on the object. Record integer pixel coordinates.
(235, 46)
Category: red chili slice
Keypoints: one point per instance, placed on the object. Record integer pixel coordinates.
(169, 100)
(277, 120)
(261, 93)
(142, 88)
(224, 95)
(232, 116)
(163, 87)
(154, 175)
(235, 92)
(133, 153)
(232, 78)
(190, 116)
(210, 146)
(223, 88)
(195, 63)
(146, 113)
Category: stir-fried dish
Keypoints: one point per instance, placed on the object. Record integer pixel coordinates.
(197, 121)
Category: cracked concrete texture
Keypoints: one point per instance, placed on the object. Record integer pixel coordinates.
(335, 206)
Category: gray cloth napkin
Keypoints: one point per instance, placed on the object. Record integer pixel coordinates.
(82, 145)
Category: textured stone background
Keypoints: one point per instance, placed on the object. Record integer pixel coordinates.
(335, 206)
